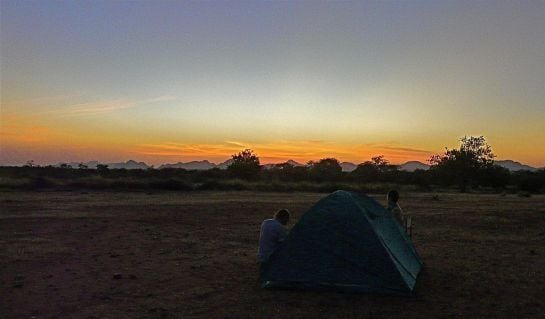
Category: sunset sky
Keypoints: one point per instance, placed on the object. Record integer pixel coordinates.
(169, 81)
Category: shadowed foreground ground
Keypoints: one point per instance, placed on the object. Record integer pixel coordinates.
(193, 255)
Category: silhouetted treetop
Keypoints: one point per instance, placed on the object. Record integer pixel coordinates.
(245, 165)
(465, 164)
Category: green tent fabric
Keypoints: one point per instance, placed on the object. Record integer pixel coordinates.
(345, 242)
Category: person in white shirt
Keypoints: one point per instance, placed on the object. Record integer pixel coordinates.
(273, 232)
(393, 207)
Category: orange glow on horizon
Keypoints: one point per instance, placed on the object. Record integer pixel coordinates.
(281, 151)
(25, 138)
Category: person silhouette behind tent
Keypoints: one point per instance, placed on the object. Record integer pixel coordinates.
(273, 232)
(393, 207)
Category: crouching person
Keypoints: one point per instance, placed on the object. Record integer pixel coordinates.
(273, 232)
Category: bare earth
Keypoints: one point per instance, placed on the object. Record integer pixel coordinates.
(192, 255)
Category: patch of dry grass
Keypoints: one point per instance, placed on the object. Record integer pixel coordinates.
(192, 255)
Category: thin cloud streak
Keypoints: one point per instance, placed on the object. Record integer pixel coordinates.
(95, 107)
(98, 107)
(114, 105)
(281, 151)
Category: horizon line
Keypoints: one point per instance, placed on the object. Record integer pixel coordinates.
(222, 162)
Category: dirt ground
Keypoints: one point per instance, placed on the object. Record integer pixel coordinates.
(192, 255)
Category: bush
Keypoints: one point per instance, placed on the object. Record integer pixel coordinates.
(171, 185)
(531, 183)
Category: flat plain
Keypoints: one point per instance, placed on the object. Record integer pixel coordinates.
(192, 255)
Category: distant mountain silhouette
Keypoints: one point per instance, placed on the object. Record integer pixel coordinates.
(224, 165)
(515, 166)
(194, 165)
(409, 166)
(290, 162)
(348, 166)
(294, 163)
(130, 164)
(412, 166)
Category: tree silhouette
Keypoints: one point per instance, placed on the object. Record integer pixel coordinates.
(380, 163)
(366, 171)
(245, 165)
(288, 172)
(102, 169)
(30, 163)
(374, 170)
(463, 166)
(327, 169)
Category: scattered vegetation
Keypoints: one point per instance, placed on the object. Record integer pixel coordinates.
(469, 168)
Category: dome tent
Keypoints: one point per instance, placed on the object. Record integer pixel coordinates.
(345, 242)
